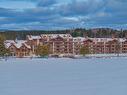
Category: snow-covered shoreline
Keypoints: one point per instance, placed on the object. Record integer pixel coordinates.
(63, 76)
(71, 57)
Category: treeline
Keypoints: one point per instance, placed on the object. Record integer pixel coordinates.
(99, 33)
(79, 32)
(21, 35)
(3, 50)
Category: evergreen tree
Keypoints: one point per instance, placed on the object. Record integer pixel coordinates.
(84, 50)
(42, 50)
(2, 39)
(3, 50)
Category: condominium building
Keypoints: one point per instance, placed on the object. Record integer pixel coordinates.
(66, 44)
(18, 48)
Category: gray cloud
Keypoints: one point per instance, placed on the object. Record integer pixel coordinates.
(46, 3)
(80, 7)
(49, 14)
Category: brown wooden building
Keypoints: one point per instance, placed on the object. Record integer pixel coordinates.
(65, 44)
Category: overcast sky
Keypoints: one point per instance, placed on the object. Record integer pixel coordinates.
(62, 14)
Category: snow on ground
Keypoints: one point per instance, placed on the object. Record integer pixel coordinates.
(97, 76)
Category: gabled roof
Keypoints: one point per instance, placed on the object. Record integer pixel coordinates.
(17, 44)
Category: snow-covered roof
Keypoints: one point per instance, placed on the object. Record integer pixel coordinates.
(101, 39)
(20, 43)
(30, 37)
(17, 44)
(106, 39)
(122, 40)
(8, 43)
(81, 39)
(56, 35)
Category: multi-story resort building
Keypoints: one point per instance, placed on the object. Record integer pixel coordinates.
(65, 44)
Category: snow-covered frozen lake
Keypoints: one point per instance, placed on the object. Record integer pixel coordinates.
(63, 76)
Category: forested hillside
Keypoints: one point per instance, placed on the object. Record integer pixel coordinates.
(98, 32)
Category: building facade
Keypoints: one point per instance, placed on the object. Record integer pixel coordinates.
(18, 48)
(65, 44)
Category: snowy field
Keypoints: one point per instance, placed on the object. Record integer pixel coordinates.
(97, 76)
